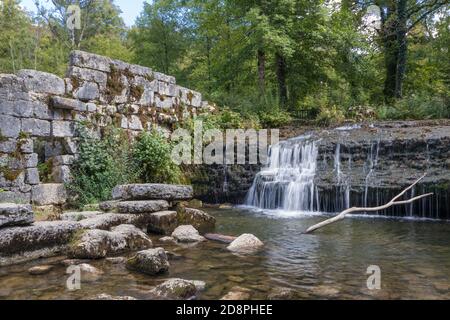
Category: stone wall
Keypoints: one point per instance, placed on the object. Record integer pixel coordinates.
(38, 112)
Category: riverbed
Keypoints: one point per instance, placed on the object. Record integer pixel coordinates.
(413, 257)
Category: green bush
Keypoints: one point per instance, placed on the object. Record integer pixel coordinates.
(415, 107)
(101, 165)
(275, 118)
(330, 116)
(152, 154)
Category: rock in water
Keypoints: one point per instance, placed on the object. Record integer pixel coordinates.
(15, 214)
(163, 222)
(152, 261)
(237, 293)
(142, 206)
(153, 192)
(39, 270)
(246, 243)
(281, 294)
(187, 234)
(108, 297)
(96, 244)
(178, 289)
(199, 219)
(89, 273)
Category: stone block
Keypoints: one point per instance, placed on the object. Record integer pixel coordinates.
(42, 82)
(48, 194)
(12, 214)
(32, 176)
(90, 75)
(62, 129)
(87, 92)
(36, 127)
(31, 160)
(68, 104)
(89, 60)
(9, 126)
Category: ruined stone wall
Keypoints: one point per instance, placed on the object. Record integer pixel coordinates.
(38, 112)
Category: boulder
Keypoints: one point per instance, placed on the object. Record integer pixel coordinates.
(142, 206)
(78, 216)
(178, 289)
(89, 273)
(246, 243)
(199, 219)
(152, 192)
(40, 235)
(187, 234)
(96, 244)
(109, 206)
(163, 222)
(15, 214)
(47, 194)
(152, 261)
(237, 293)
(40, 270)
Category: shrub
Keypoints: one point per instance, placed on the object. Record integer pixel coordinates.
(152, 153)
(101, 165)
(330, 116)
(415, 107)
(275, 118)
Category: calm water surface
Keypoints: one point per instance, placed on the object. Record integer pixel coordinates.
(414, 257)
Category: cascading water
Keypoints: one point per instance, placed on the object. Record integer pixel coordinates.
(287, 183)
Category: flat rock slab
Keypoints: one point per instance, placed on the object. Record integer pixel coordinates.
(153, 192)
(15, 214)
(150, 206)
(108, 220)
(48, 194)
(220, 238)
(78, 216)
(40, 235)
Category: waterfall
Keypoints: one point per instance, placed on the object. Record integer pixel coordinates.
(287, 182)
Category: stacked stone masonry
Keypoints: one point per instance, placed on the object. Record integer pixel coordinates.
(39, 111)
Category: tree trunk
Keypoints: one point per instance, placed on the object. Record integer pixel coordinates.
(281, 78)
(402, 48)
(262, 71)
(389, 39)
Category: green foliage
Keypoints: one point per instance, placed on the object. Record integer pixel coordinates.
(101, 165)
(45, 171)
(330, 116)
(152, 154)
(415, 107)
(275, 118)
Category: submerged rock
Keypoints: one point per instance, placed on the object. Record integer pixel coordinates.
(199, 219)
(117, 260)
(152, 261)
(40, 270)
(167, 239)
(95, 244)
(237, 293)
(74, 262)
(152, 192)
(178, 289)
(163, 222)
(187, 234)
(15, 214)
(281, 294)
(246, 243)
(108, 297)
(142, 206)
(90, 273)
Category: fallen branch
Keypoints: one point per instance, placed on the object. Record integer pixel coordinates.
(393, 202)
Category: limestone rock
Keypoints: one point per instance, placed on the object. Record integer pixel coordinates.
(90, 273)
(152, 192)
(152, 261)
(142, 206)
(177, 289)
(187, 234)
(237, 293)
(15, 215)
(95, 244)
(68, 104)
(89, 60)
(108, 297)
(109, 206)
(246, 243)
(37, 236)
(40, 270)
(163, 222)
(78, 216)
(42, 82)
(47, 194)
(199, 219)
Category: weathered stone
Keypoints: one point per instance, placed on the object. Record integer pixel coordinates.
(91, 107)
(109, 206)
(37, 236)
(163, 77)
(78, 216)
(89, 60)
(70, 146)
(246, 243)
(89, 273)
(163, 103)
(88, 91)
(32, 176)
(152, 261)
(42, 82)
(63, 129)
(88, 75)
(142, 206)
(8, 145)
(65, 160)
(61, 174)
(107, 297)
(73, 262)
(167, 239)
(187, 234)
(17, 108)
(237, 293)
(152, 192)
(117, 260)
(36, 127)
(31, 160)
(26, 145)
(199, 219)
(40, 270)
(282, 294)
(163, 222)
(220, 238)
(167, 89)
(15, 215)
(15, 197)
(176, 289)
(68, 104)
(42, 111)
(46, 194)
(95, 244)
(135, 123)
(9, 126)
(104, 221)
